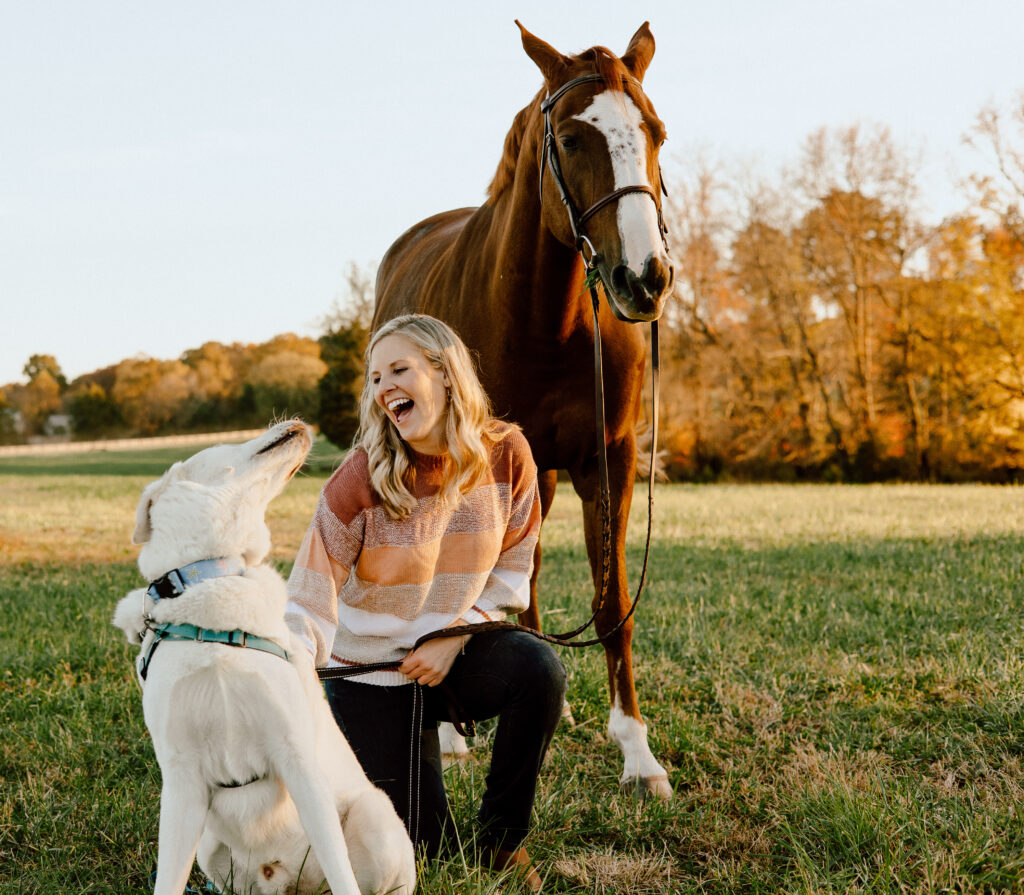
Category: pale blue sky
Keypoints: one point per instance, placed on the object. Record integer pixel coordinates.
(178, 172)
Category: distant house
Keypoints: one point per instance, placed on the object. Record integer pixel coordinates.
(58, 426)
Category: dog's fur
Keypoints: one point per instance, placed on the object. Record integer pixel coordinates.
(222, 715)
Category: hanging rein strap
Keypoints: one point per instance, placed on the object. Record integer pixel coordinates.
(576, 221)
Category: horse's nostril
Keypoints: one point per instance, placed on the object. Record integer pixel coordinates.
(620, 279)
(658, 277)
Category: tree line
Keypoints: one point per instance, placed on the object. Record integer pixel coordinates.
(820, 329)
(823, 330)
(210, 388)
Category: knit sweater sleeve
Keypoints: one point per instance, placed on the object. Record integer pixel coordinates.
(507, 590)
(328, 553)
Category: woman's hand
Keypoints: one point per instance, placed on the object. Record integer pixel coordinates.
(430, 662)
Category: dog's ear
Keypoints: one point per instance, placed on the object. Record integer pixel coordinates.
(143, 530)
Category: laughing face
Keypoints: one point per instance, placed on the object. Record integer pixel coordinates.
(411, 391)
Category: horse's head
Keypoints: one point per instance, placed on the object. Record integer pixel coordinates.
(600, 177)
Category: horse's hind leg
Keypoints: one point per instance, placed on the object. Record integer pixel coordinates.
(453, 745)
(547, 481)
(626, 727)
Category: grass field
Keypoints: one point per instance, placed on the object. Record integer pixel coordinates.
(832, 675)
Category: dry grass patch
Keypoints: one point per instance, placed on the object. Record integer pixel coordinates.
(808, 767)
(74, 520)
(611, 872)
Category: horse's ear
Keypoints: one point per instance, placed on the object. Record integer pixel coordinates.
(640, 51)
(552, 64)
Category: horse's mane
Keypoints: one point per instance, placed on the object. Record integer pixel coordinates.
(598, 59)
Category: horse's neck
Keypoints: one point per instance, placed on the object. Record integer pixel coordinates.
(545, 274)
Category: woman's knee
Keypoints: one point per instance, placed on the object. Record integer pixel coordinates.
(542, 670)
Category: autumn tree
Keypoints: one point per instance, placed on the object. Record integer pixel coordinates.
(93, 411)
(284, 378)
(219, 379)
(39, 363)
(41, 396)
(795, 311)
(998, 134)
(152, 394)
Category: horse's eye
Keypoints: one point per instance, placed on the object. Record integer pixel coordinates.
(569, 144)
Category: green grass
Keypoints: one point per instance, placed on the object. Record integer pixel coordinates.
(833, 677)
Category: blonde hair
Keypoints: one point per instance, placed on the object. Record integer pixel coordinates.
(468, 425)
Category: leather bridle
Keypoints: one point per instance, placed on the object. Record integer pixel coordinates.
(549, 161)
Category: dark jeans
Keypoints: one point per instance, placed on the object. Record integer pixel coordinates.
(504, 674)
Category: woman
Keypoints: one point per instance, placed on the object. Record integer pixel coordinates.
(430, 522)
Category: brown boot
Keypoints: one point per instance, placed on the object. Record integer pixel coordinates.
(517, 862)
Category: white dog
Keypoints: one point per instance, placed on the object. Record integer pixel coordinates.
(254, 766)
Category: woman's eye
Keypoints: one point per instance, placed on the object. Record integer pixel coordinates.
(398, 370)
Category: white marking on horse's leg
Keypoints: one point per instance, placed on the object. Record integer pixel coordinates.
(567, 716)
(453, 745)
(640, 765)
(618, 119)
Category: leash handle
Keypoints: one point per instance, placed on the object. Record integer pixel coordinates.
(330, 674)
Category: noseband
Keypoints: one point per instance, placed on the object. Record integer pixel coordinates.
(550, 160)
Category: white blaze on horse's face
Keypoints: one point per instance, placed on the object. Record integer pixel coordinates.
(616, 117)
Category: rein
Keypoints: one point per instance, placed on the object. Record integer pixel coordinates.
(565, 639)
(576, 222)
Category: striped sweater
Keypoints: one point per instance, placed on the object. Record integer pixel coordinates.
(366, 586)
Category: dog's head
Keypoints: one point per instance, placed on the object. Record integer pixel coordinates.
(213, 503)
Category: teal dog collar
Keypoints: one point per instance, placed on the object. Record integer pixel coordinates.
(196, 634)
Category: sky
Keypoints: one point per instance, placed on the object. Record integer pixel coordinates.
(175, 173)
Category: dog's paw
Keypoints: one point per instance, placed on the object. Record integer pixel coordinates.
(129, 616)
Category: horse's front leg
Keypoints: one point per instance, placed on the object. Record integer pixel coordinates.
(626, 727)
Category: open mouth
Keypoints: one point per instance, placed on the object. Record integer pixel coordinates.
(400, 408)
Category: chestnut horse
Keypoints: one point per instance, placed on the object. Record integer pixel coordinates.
(509, 277)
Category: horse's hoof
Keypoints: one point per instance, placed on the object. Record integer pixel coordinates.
(646, 787)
